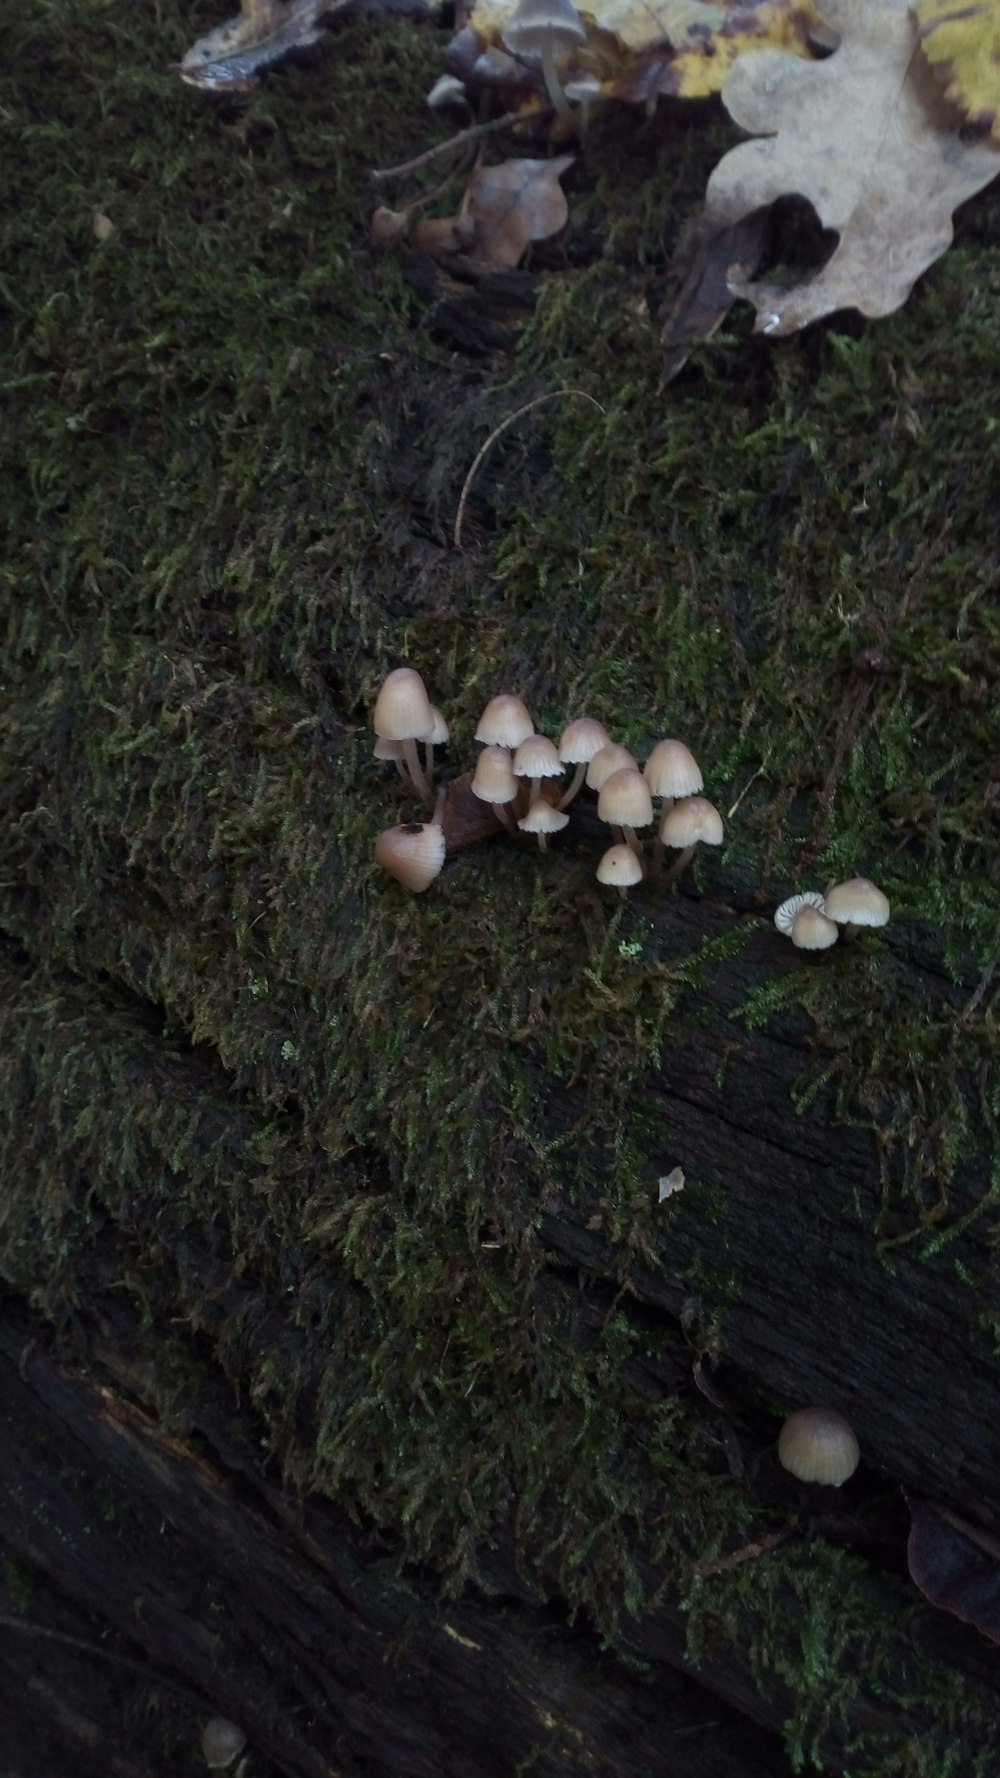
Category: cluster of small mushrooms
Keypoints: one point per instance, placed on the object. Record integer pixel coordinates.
(517, 778)
(813, 922)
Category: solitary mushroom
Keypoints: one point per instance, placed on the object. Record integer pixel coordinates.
(692, 822)
(413, 853)
(403, 713)
(855, 904)
(546, 29)
(494, 782)
(818, 1445)
(620, 869)
(578, 743)
(542, 819)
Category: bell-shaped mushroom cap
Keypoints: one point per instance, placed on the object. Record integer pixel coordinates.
(493, 780)
(543, 817)
(672, 770)
(537, 757)
(692, 822)
(505, 722)
(818, 1445)
(413, 854)
(857, 903)
(387, 749)
(540, 22)
(439, 732)
(812, 931)
(222, 1742)
(619, 868)
(606, 760)
(581, 739)
(402, 709)
(624, 799)
(785, 914)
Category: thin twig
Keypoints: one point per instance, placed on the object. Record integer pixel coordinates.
(472, 134)
(29, 1628)
(553, 395)
(748, 1553)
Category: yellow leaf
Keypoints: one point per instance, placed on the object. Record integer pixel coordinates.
(962, 44)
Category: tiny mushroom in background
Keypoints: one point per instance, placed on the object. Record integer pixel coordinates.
(624, 803)
(692, 822)
(542, 819)
(606, 760)
(494, 782)
(393, 750)
(505, 722)
(578, 743)
(818, 1445)
(620, 869)
(222, 1742)
(436, 736)
(403, 713)
(855, 904)
(784, 917)
(811, 930)
(413, 853)
(536, 758)
(546, 29)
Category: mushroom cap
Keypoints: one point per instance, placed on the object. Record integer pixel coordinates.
(818, 1445)
(672, 770)
(413, 854)
(624, 799)
(581, 739)
(537, 757)
(540, 22)
(505, 721)
(493, 780)
(439, 732)
(619, 867)
(857, 903)
(222, 1741)
(785, 914)
(606, 760)
(692, 820)
(812, 931)
(402, 709)
(543, 817)
(387, 749)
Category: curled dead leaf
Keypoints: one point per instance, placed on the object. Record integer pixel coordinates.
(513, 204)
(962, 43)
(956, 1565)
(231, 58)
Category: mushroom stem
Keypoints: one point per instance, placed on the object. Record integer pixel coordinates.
(420, 781)
(543, 844)
(401, 769)
(502, 811)
(679, 865)
(634, 844)
(575, 786)
(551, 79)
(429, 760)
(659, 849)
(442, 798)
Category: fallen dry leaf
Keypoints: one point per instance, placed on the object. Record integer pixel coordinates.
(962, 44)
(956, 1565)
(705, 260)
(513, 204)
(231, 57)
(868, 138)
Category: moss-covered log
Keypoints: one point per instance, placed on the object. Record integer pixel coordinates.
(386, 1168)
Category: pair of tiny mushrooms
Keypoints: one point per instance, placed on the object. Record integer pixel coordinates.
(515, 777)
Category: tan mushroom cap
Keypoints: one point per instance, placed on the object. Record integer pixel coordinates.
(387, 749)
(543, 817)
(536, 21)
(784, 915)
(624, 799)
(402, 709)
(493, 780)
(672, 770)
(439, 732)
(537, 757)
(812, 931)
(505, 721)
(858, 902)
(606, 760)
(413, 854)
(581, 739)
(619, 868)
(693, 821)
(818, 1445)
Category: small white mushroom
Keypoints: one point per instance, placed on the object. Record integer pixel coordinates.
(818, 1445)
(785, 914)
(857, 903)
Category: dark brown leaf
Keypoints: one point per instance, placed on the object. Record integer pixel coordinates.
(955, 1565)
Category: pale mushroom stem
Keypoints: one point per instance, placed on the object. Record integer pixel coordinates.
(679, 865)
(420, 781)
(659, 849)
(575, 787)
(502, 811)
(438, 815)
(543, 843)
(401, 769)
(635, 846)
(551, 79)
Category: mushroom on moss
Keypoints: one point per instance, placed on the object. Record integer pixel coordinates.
(612, 758)
(536, 758)
(505, 722)
(784, 916)
(578, 743)
(493, 782)
(818, 1445)
(545, 29)
(403, 713)
(413, 853)
(856, 903)
(624, 803)
(692, 822)
(811, 930)
(620, 869)
(542, 819)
